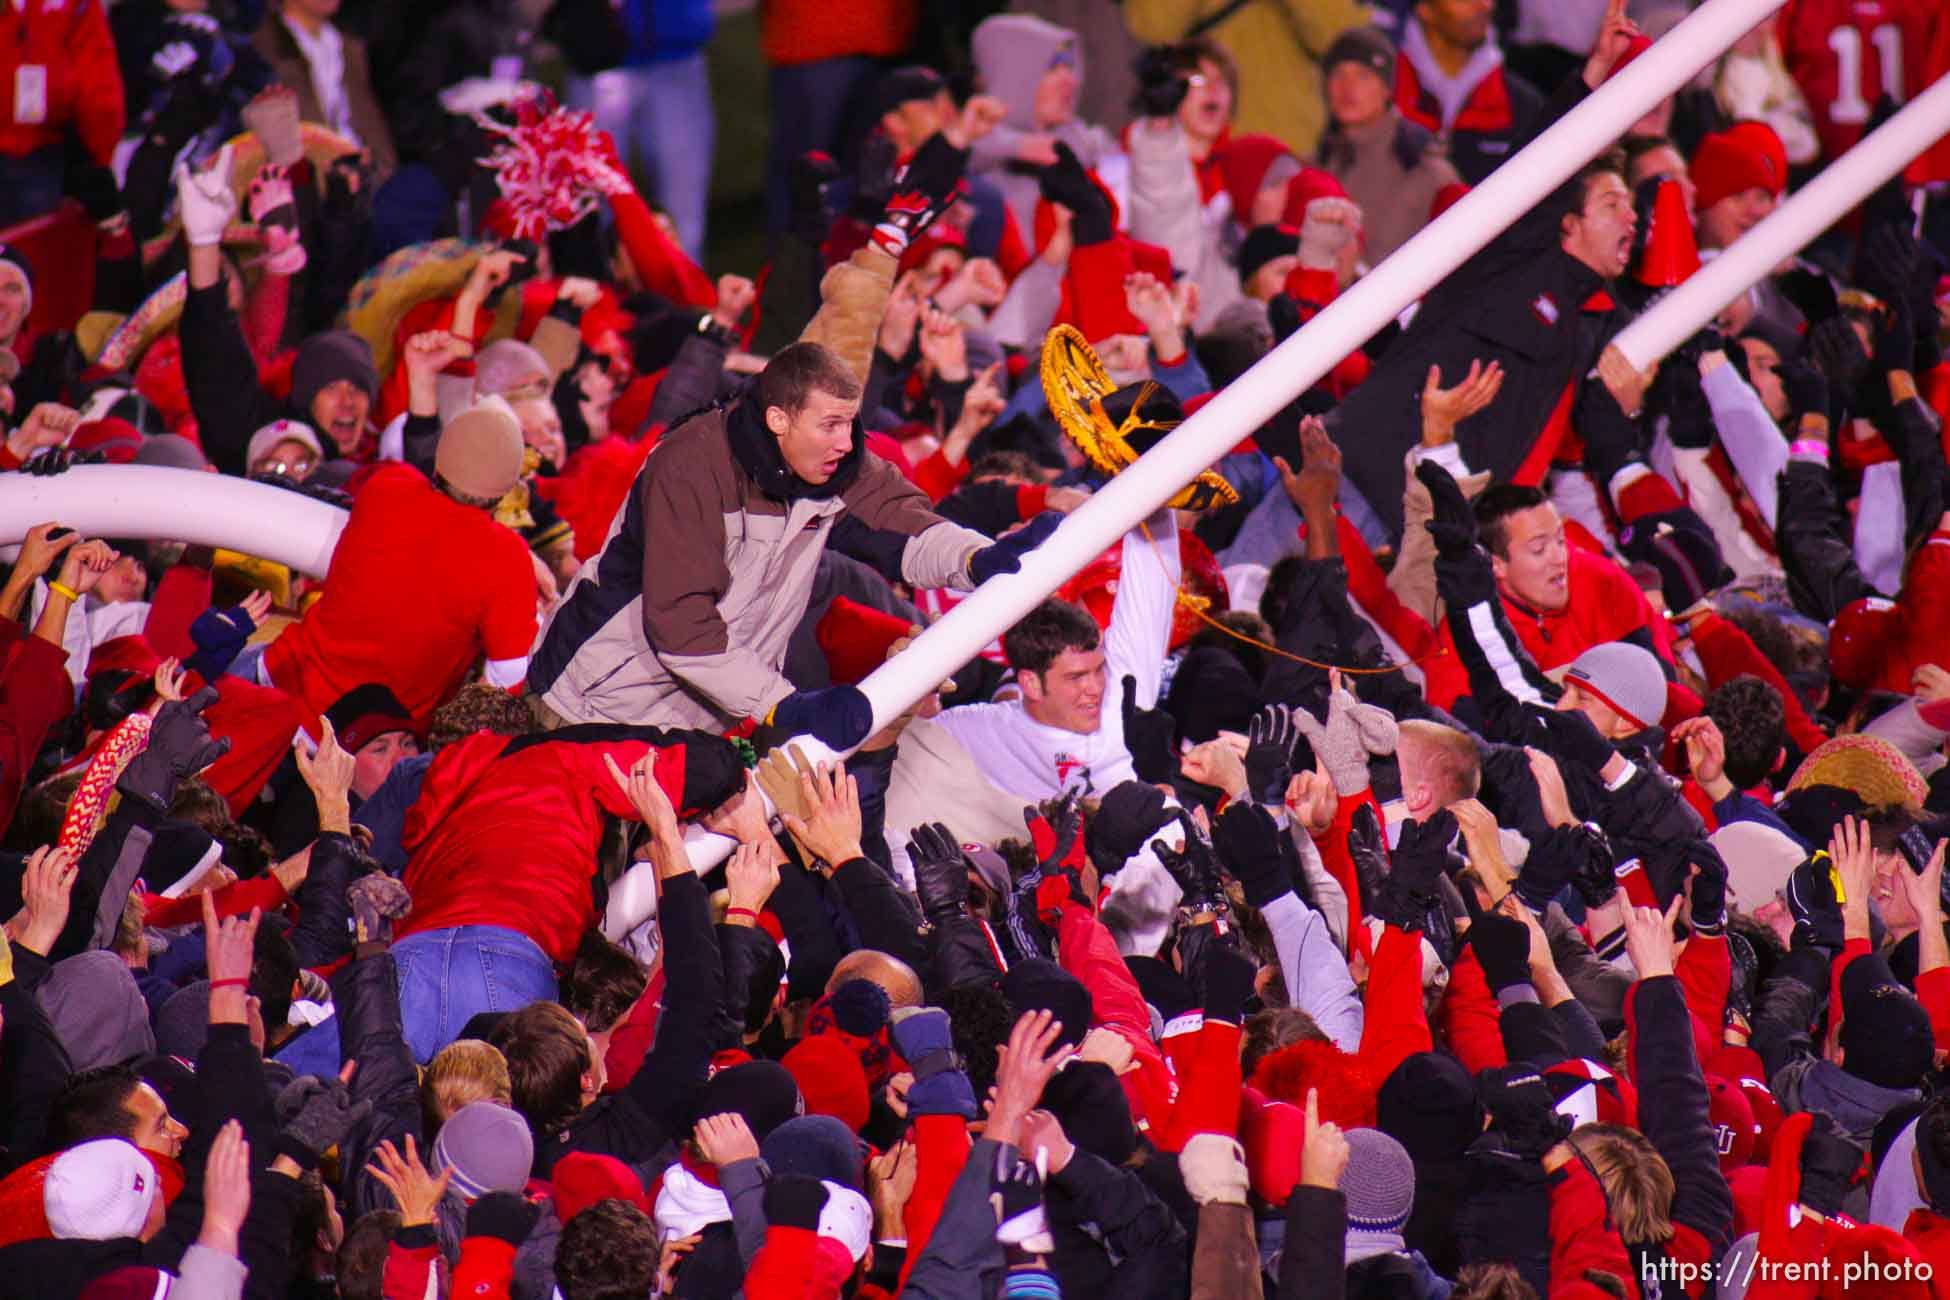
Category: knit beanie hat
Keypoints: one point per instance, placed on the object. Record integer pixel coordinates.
(1039, 984)
(1747, 156)
(365, 713)
(1428, 1104)
(278, 431)
(1624, 676)
(13, 257)
(1262, 245)
(100, 1190)
(831, 1079)
(480, 451)
(325, 359)
(117, 440)
(904, 85)
(1128, 816)
(488, 1147)
(1379, 1184)
(858, 1015)
(171, 451)
(509, 367)
(814, 1146)
(580, 1179)
(1886, 1037)
(96, 1010)
(183, 1024)
(1367, 46)
(1759, 859)
(762, 1093)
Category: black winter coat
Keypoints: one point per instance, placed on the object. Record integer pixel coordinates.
(1522, 301)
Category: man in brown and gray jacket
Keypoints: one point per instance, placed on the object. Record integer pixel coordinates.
(682, 620)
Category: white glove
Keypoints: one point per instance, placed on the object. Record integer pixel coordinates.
(1328, 226)
(205, 202)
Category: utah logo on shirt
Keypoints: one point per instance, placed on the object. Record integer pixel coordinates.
(1069, 765)
(1545, 308)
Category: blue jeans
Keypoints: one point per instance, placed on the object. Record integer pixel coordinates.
(662, 113)
(446, 977)
(809, 111)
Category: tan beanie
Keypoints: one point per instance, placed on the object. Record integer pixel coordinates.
(480, 451)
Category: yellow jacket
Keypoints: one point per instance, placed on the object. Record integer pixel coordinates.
(1277, 45)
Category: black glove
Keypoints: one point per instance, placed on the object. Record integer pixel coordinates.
(1066, 182)
(1195, 867)
(179, 746)
(1806, 390)
(59, 460)
(807, 179)
(1611, 438)
(793, 1201)
(1830, 1166)
(1556, 858)
(1054, 879)
(1522, 1108)
(940, 873)
(1817, 912)
(1502, 945)
(1270, 738)
(1709, 903)
(1223, 978)
(1005, 555)
(1016, 1192)
(1569, 734)
(1401, 894)
(505, 1216)
(1248, 844)
(1453, 523)
(1162, 84)
(94, 185)
(319, 1113)
(1895, 339)
(1596, 877)
(1424, 853)
(1837, 351)
(923, 190)
(1152, 737)
(1127, 817)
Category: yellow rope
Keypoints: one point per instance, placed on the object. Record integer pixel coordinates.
(1254, 641)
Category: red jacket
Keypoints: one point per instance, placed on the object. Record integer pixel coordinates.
(506, 830)
(1605, 605)
(35, 695)
(58, 61)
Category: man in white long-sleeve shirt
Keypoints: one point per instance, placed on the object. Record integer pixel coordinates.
(1066, 731)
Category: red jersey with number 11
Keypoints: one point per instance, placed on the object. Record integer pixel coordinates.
(1845, 54)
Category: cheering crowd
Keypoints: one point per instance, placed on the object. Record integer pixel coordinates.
(1483, 838)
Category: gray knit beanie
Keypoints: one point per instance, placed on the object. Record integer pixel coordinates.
(1379, 1183)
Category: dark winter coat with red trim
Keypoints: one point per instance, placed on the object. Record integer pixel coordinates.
(1495, 118)
(506, 829)
(1522, 301)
